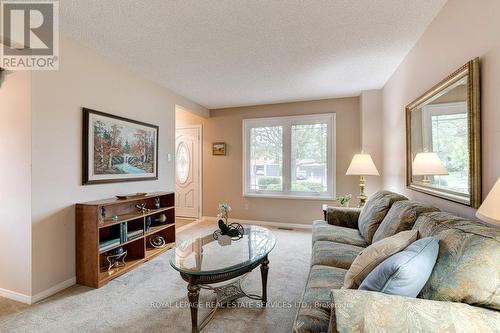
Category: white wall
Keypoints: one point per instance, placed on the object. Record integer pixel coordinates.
(15, 185)
(85, 79)
(463, 30)
(371, 138)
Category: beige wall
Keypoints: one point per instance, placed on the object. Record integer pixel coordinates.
(84, 79)
(371, 139)
(463, 30)
(222, 175)
(15, 184)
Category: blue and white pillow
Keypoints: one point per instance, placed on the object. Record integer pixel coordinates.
(404, 273)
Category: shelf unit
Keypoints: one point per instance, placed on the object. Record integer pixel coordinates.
(91, 268)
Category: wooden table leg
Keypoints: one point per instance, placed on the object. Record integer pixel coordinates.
(264, 268)
(193, 296)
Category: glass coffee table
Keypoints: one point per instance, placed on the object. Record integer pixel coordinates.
(205, 264)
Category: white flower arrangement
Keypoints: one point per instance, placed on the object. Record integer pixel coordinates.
(223, 211)
(226, 232)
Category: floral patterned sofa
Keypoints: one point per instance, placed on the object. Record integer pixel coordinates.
(461, 295)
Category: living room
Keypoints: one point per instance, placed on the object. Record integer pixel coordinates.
(235, 134)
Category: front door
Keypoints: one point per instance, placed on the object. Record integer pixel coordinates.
(187, 171)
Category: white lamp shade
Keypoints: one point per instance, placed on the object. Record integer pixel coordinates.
(362, 165)
(428, 164)
(490, 208)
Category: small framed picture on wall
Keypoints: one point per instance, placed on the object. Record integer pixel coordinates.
(219, 148)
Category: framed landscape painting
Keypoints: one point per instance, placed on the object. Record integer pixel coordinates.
(117, 149)
(219, 148)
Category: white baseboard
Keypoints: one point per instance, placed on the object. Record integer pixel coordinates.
(15, 296)
(264, 223)
(189, 225)
(53, 290)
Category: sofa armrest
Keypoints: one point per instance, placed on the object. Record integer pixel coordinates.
(367, 311)
(343, 216)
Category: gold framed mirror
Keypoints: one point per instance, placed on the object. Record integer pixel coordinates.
(443, 138)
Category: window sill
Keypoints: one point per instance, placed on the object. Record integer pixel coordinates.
(284, 196)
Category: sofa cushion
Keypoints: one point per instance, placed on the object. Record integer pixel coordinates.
(368, 312)
(374, 212)
(314, 312)
(406, 272)
(401, 216)
(374, 254)
(467, 269)
(322, 231)
(334, 254)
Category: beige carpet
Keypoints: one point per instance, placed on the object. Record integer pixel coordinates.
(152, 298)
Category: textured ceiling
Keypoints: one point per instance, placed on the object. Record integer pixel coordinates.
(222, 53)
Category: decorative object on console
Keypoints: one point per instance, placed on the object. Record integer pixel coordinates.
(161, 219)
(117, 149)
(362, 165)
(102, 215)
(219, 148)
(490, 208)
(157, 203)
(428, 164)
(447, 120)
(142, 208)
(149, 222)
(132, 196)
(116, 258)
(157, 242)
(343, 200)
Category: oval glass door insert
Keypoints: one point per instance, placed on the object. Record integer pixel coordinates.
(182, 163)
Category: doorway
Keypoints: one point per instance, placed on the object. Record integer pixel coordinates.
(188, 172)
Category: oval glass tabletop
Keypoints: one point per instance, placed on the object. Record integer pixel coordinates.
(205, 256)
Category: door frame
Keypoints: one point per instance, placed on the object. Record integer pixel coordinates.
(200, 162)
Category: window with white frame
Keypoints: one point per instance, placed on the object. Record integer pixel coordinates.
(444, 132)
(292, 157)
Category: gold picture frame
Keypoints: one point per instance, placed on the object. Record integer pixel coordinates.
(469, 74)
(219, 149)
(118, 149)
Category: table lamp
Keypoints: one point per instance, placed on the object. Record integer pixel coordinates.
(428, 164)
(362, 165)
(489, 211)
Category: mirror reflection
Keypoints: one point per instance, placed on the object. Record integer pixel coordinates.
(439, 140)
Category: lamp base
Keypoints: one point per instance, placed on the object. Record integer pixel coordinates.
(362, 196)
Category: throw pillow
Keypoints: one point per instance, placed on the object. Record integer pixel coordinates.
(401, 216)
(374, 212)
(406, 272)
(374, 254)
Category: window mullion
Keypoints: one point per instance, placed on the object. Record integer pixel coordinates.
(287, 158)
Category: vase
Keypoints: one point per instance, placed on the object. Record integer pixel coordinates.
(224, 240)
